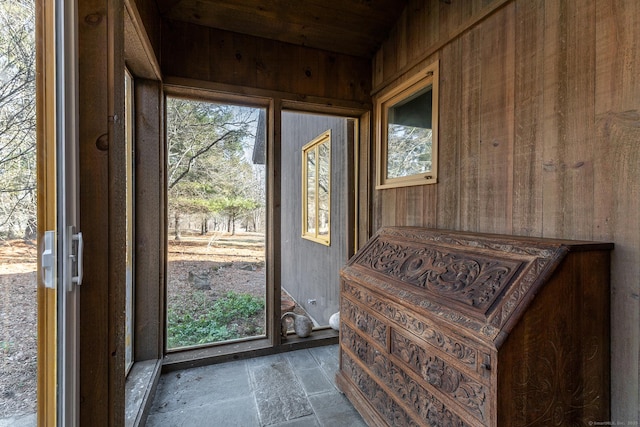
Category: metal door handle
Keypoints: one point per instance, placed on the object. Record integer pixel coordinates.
(78, 237)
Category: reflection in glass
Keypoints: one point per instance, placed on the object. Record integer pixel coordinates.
(323, 189)
(316, 194)
(409, 135)
(311, 192)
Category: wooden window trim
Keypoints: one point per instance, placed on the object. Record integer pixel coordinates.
(426, 77)
(314, 145)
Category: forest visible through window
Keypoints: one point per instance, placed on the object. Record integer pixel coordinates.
(18, 199)
(216, 184)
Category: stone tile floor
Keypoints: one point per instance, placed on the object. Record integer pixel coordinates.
(287, 389)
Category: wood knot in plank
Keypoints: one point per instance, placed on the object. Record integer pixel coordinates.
(93, 19)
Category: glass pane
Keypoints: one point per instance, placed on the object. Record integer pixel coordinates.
(323, 188)
(311, 192)
(18, 216)
(129, 294)
(409, 135)
(216, 282)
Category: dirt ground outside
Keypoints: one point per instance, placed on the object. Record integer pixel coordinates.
(18, 328)
(203, 269)
(225, 262)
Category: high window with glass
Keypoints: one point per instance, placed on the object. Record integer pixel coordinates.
(407, 144)
(316, 189)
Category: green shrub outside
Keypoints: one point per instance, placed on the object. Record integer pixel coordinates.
(220, 322)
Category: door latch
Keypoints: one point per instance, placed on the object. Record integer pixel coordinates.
(48, 260)
(77, 257)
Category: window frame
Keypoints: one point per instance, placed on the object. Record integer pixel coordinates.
(314, 145)
(428, 76)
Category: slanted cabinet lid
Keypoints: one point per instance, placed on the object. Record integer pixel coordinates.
(478, 282)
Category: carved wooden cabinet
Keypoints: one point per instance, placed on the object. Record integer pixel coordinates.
(445, 328)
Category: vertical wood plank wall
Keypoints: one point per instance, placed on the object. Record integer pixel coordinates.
(539, 134)
(102, 201)
(150, 227)
(150, 18)
(207, 54)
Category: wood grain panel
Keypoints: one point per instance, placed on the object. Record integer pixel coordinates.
(364, 179)
(528, 104)
(102, 201)
(555, 85)
(555, 93)
(450, 88)
(150, 221)
(402, 213)
(200, 53)
(495, 178)
(388, 207)
(351, 27)
(94, 181)
(469, 131)
(581, 125)
(569, 107)
(424, 30)
(617, 187)
(189, 52)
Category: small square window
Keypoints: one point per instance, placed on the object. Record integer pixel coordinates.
(407, 145)
(316, 189)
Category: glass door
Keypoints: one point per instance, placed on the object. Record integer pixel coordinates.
(59, 242)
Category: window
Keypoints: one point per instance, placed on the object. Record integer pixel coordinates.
(407, 118)
(129, 296)
(216, 234)
(316, 189)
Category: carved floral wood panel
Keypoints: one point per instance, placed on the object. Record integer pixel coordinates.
(365, 322)
(446, 329)
(424, 330)
(425, 404)
(468, 278)
(465, 390)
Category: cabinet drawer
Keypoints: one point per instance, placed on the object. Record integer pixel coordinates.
(396, 395)
(435, 369)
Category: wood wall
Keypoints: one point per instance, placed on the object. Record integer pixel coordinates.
(207, 54)
(150, 19)
(150, 223)
(539, 134)
(102, 202)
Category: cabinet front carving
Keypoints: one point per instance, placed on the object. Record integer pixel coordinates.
(435, 371)
(424, 330)
(444, 328)
(473, 280)
(365, 322)
(426, 405)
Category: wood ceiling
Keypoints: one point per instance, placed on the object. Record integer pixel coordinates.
(353, 27)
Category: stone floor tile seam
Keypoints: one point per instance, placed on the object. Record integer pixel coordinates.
(296, 374)
(253, 386)
(329, 375)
